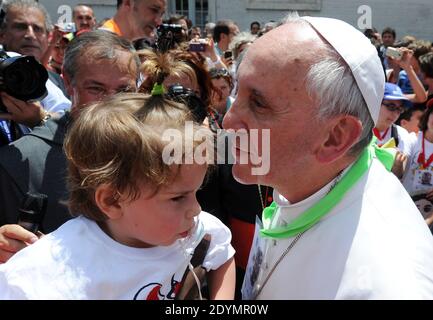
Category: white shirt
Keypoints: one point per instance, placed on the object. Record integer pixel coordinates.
(80, 261)
(406, 140)
(414, 178)
(55, 101)
(373, 245)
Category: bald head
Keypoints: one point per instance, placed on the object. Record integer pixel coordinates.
(282, 58)
(83, 17)
(293, 81)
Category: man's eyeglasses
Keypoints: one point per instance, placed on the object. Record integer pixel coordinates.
(393, 107)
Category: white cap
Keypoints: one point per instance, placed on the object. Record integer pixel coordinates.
(359, 54)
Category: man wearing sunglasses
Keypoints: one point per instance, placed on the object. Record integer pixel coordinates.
(392, 107)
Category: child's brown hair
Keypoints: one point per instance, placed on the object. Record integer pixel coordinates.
(119, 142)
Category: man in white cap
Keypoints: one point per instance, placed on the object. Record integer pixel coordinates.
(342, 226)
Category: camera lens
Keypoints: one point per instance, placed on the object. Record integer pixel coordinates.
(24, 78)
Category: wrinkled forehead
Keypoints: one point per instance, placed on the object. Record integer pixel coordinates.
(124, 62)
(290, 49)
(292, 39)
(162, 4)
(25, 14)
(82, 10)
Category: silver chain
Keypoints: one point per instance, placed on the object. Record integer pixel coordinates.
(261, 196)
(291, 245)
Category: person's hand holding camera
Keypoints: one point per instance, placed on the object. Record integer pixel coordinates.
(227, 59)
(13, 238)
(210, 53)
(29, 114)
(208, 45)
(405, 61)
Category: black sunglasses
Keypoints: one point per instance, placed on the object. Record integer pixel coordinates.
(393, 107)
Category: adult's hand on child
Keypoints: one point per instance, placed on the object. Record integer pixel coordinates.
(13, 238)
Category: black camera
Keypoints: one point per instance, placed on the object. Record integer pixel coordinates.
(22, 77)
(169, 36)
(228, 54)
(198, 45)
(32, 211)
(143, 43)
(184, 95)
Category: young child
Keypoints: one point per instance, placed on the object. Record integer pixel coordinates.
(137, 218)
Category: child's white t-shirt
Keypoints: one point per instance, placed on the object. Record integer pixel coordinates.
(80, 261)
(417, 179)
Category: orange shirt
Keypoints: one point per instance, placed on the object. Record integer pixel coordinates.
(112, 26)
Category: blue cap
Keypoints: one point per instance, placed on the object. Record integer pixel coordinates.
(393, 92)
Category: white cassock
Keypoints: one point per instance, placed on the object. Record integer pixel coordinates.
(373, 245)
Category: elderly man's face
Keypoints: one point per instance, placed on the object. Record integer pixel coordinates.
(94, 81)
(272, 95)
(146, 16)
(84, 18)
(25, 32)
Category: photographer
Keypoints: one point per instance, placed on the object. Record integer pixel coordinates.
(182, 22)
(409, 66)
(18, 117)
(405, 81)
(24, 30)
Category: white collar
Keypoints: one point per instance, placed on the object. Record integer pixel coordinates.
(289, 211)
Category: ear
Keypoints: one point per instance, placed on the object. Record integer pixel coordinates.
(107, 203)
(128, 3)
(343, 133)
(68, 83)
(223, 37)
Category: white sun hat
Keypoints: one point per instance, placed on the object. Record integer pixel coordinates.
(359, 54)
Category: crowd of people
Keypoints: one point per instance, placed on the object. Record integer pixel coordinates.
(343, 212)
